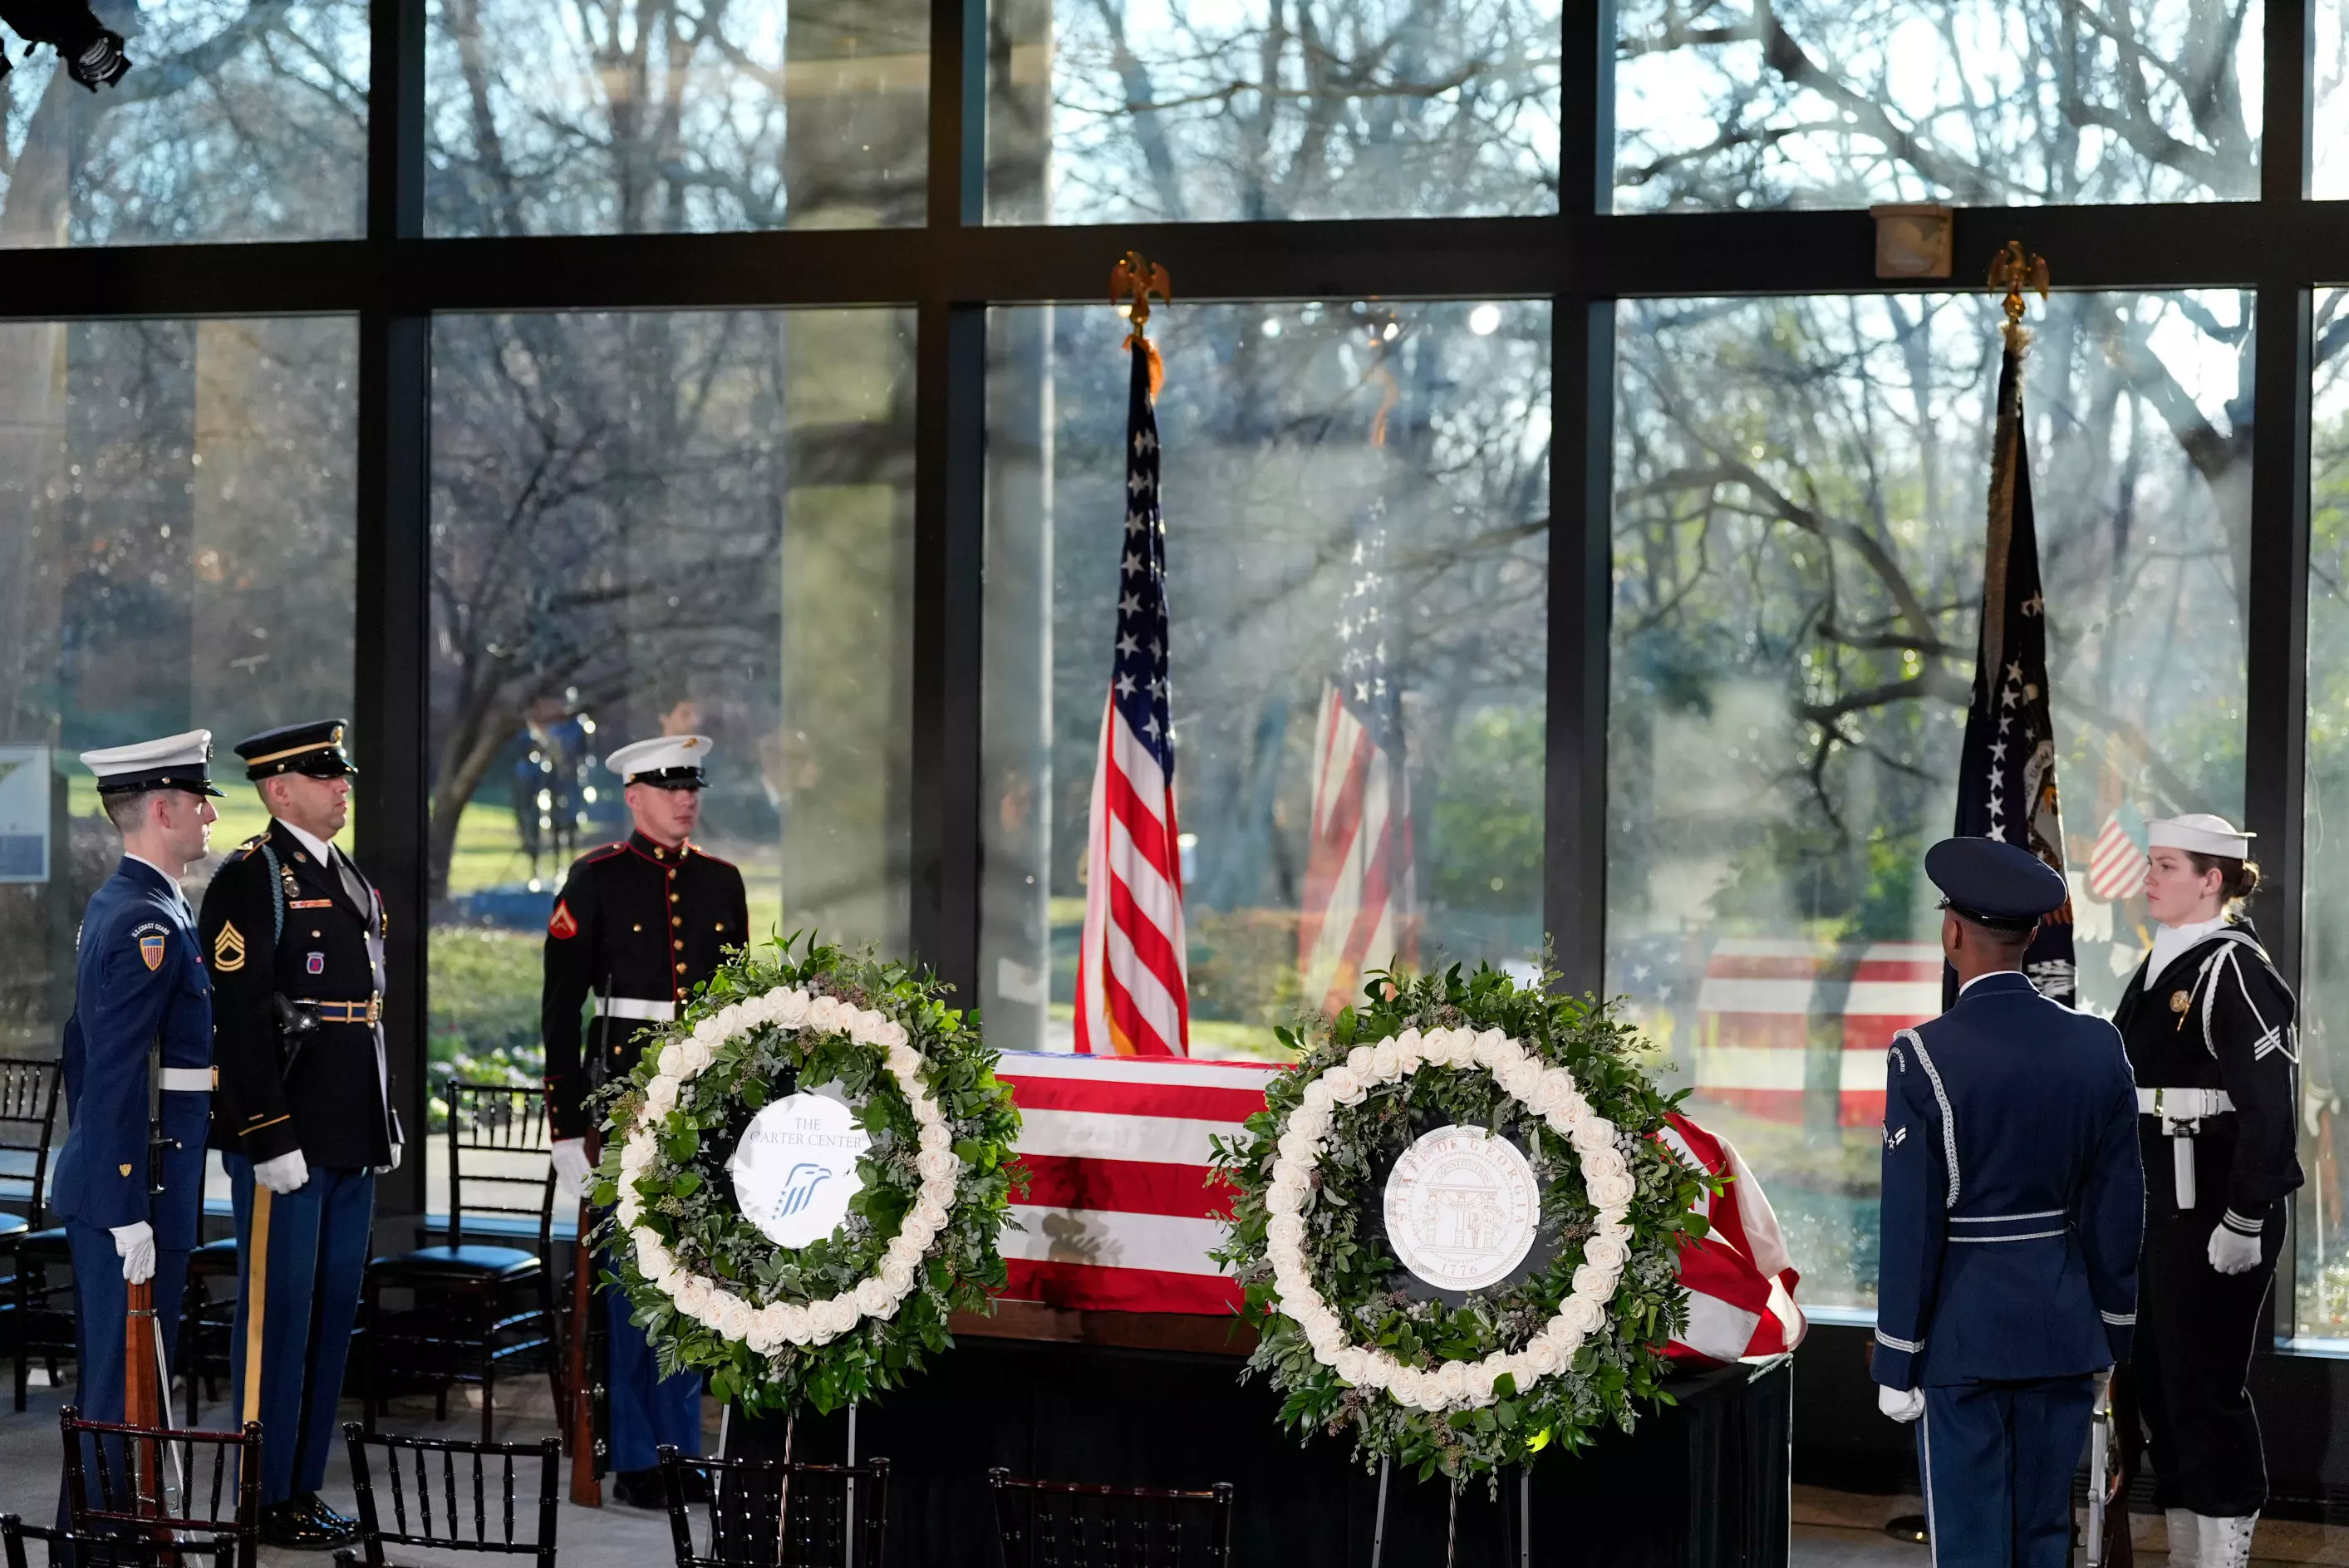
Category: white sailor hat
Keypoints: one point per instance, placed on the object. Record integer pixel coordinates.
(2201, 833)
(669, 761)
(175, 762)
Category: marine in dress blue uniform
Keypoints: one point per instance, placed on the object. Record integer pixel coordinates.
(137, 1062)
(637, 927)
(2013, 1208)
(294, 934)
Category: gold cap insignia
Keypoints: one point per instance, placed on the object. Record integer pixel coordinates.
(228, 948)
(2179, 1001)
(124, 1169)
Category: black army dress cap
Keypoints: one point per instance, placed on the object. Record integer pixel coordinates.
(315, 748)
(1994, 883)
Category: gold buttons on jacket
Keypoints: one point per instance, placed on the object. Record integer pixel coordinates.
(637, 927)
(676, 921)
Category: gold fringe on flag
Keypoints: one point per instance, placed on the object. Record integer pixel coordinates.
(1132, 282)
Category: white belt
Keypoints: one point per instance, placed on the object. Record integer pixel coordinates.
(635, 1007)
(2183, 1104)
(187, 1080)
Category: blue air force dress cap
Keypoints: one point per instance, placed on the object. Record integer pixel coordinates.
(1995, 883)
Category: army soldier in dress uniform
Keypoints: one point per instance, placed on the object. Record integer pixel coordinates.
(138, 1062)
(637, 926)
(2013, 1206)
(294, 934)
(2211, 1032)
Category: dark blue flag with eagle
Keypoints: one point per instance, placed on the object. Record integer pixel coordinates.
(2006, 774)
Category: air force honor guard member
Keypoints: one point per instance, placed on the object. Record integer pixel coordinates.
(2013, 1206)
(295, 938)
(637, 927)
(138, 1062)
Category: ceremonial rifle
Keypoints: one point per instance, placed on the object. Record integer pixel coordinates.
(585, 1488)
(145, 1399)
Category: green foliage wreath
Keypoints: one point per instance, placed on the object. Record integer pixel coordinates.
(855, 1311)
(1510, 1397)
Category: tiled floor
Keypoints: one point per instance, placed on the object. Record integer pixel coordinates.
(1839, 1530)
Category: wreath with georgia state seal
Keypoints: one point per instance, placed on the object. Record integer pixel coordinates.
(1462, 1382)
(853, 1312)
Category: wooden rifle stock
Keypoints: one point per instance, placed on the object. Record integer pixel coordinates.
(585, 1488)
(142, 1395)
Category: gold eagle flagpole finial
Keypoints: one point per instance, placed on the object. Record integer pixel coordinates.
(2016, 270)
(1132, 282)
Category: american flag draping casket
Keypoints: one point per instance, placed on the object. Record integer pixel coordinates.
(1120, 1209)
(1765, 1002)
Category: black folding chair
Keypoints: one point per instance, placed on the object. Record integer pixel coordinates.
(478, 1312)
(198, 1473)
(1066, 1524)
(28, 1122)
(766, 1513)
(471, 1485)
(134, 1551)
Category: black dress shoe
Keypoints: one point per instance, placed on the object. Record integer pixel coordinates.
(313, 1507)
(285, 1524)
(640, 1488)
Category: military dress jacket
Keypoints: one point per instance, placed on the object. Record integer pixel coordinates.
(2220, 1017)
(2013, 1204)
(139, 991)
(276, 923)
(637, 927)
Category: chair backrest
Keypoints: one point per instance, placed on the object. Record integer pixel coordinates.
(29, 1121)
(501, 1155)
(114, 1550)
(457, 1496)
(207, 1482)
(1067, 1524)
(764, 1513)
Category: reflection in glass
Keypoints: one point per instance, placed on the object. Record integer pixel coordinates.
(1103, 110)
(1799, 506)
(177, 551)
(640, 117)
(1841, 103)
(1317, 470)
(655, 524)
(238, 121)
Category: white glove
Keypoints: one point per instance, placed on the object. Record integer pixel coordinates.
(2231, 1252)
(287, 1173)
(571, 1166)
(1903, 1405)
(135, 1245)
(387, 1170)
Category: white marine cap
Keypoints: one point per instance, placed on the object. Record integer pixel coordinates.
(175, 762)
(670, 761)
(2200, 833)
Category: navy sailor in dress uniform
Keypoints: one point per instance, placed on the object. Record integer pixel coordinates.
(2212, 1032)
(2013, 1206)
(637, 926)
(138, 1062)
(293, 935)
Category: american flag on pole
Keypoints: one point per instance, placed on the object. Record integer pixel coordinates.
(1357, 911)
(1132, 987)
(2116, 865)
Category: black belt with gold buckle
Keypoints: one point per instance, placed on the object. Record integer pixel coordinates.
(367, 1012)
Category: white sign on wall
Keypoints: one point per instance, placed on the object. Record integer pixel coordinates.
(1462, 1208)
(795, 1169)
(24, 785)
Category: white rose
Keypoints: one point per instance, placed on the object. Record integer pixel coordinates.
(660, 1097)
(797, 1324)
(897, 1273)
(935, 1163)
(1607, 1252)
(928, 1113)
(892, 1034)
(629, 1207)
(1522, 1078)
(1286, 1229)
(1580, 1315)
(791, 1007)
(1345, 1085)
(671, 1060)
(1592, 1134)
(933, 1134)
(1541, 1359)
(1358, 1061)
(1451, 1382)
(692, 1056)
(1284, 1198)
(1595, 1282)
(1603, 1162)
(864, 1028)
(1479, 1381)
(1611, 1191)
(709, 1031)
(931, 1211)
(1410, 1387)
(1409, 1054)
(1377, 1371)
(736, 1319)
(1298, 1147)
(839, 1314)
(904, 1061)
(827, 1014)
(906, 1249)
(651, 1256)
(1316, 1097)
(1313, 1124)
(875, 1299)
(1350, 1364)
(1382, 1061)
(635, 1157)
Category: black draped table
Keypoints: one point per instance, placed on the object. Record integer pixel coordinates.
(1126, 1399)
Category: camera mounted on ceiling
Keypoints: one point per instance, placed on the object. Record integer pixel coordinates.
(91, 51)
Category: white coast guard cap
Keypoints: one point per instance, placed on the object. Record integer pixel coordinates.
(2200, 833)
(175, 762)
(671, 762)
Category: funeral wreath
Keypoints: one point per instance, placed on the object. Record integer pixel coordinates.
(1455, 1229)
(806, 1174)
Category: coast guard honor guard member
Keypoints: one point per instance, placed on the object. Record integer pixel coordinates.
(130, 1181)
(637, 927)
(2013, 1206)
(2212, 1034)
(293, 935)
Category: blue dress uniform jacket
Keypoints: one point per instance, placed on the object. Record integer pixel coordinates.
(2013, 1199)
(138, 983)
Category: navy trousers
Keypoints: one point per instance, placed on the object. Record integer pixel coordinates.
(319, 1237)
(1998, 1460)
(101, 1306)
(646, 1408)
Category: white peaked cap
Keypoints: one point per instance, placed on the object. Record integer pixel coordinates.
(660, 755)
(2199, 833)
(175, 762)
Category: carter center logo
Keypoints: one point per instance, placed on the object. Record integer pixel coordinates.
(795, 1169)
(1462, 1207)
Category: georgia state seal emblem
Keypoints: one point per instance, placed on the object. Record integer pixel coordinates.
(1462, 1208)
